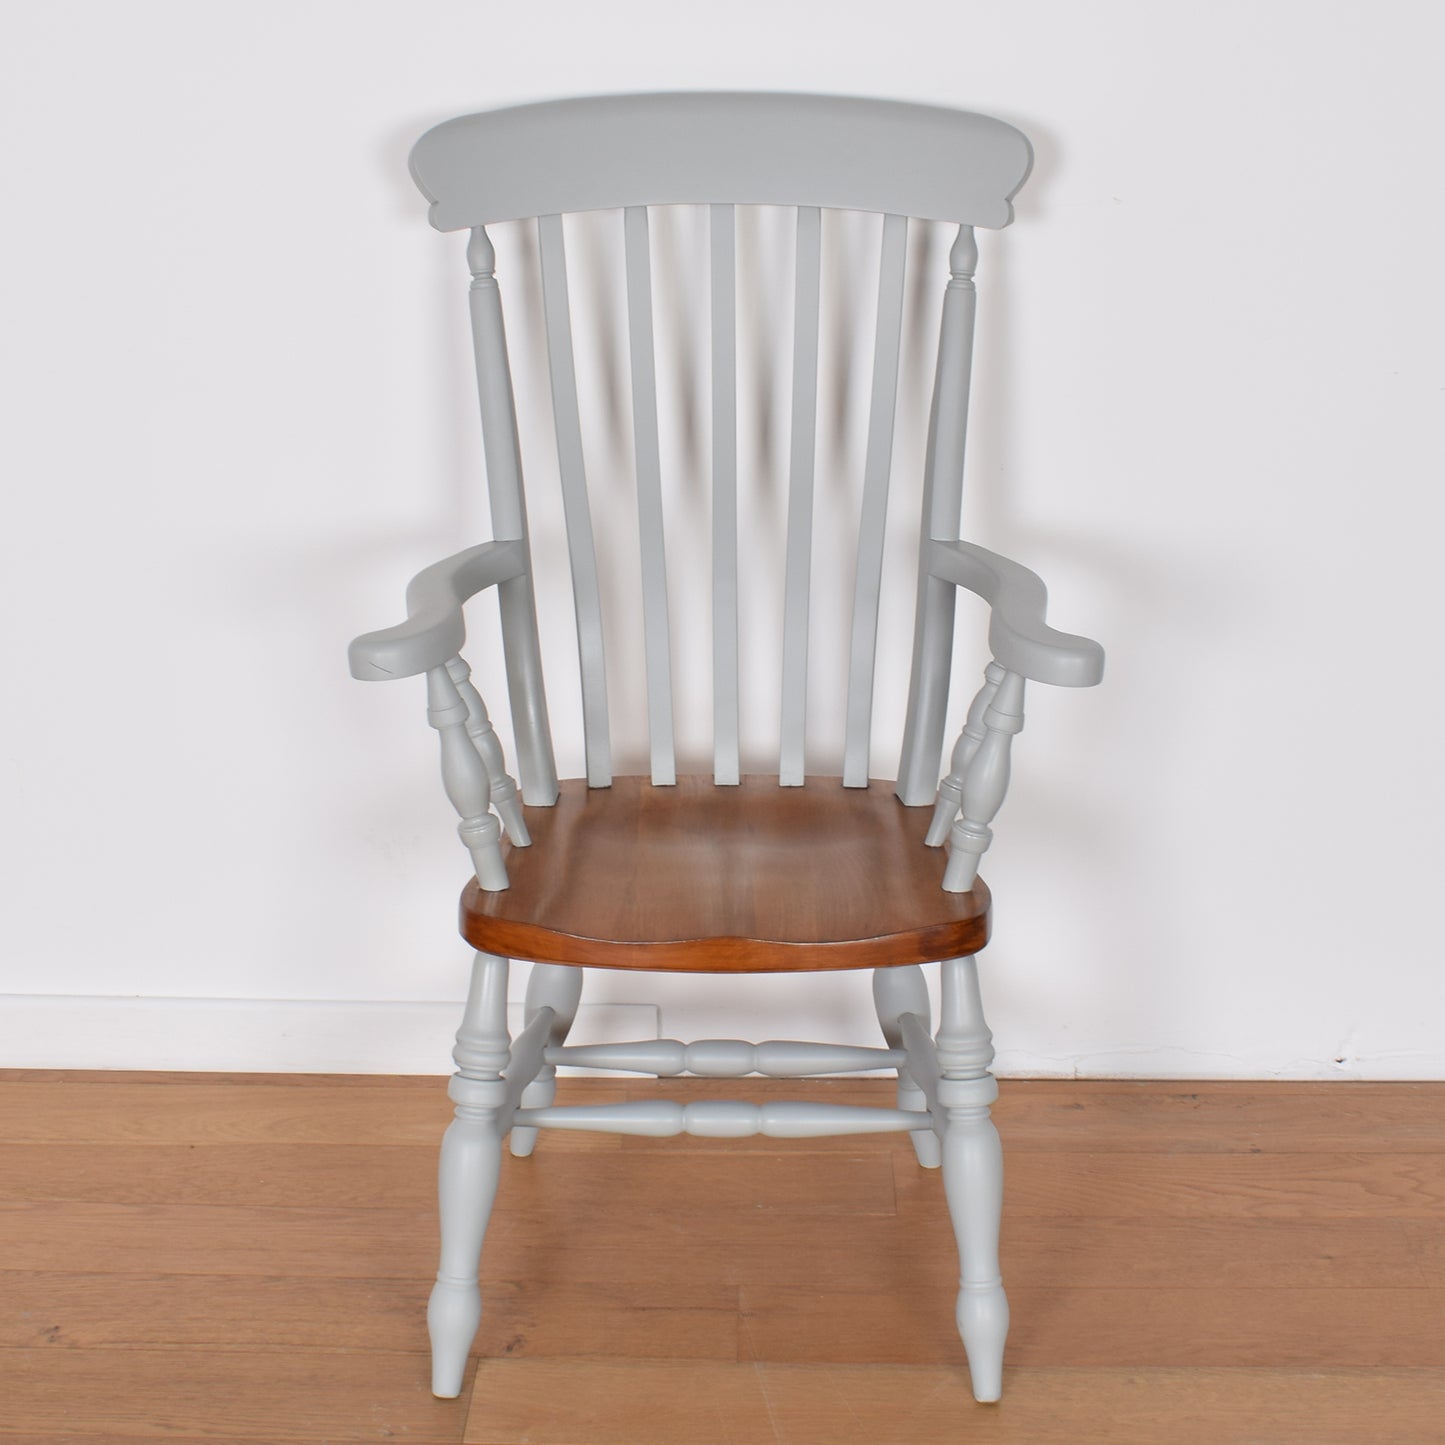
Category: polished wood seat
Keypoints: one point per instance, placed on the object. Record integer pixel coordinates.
(747, 879)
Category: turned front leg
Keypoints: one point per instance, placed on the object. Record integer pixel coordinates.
(471, 1165)
(973, 1173)
(984, 784)
(559, 988)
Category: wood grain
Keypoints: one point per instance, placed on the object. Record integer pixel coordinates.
(1104, 1327)
(854, 1249)
(747, 879)
(158, 1109)
(538, 1315)
(1213, 1186)
(1229, 1117)
(1221, 1263)
(1135, 1116)
(597, 1402)
(1129, 1115)
(220, 1394)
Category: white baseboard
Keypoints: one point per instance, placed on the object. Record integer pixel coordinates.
(262, 1035)
(50, 1031)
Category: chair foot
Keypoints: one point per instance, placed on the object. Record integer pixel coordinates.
(452, 1316)
(982, 1317)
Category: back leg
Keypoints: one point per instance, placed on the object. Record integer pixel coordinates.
(899, 991)
(558, 988)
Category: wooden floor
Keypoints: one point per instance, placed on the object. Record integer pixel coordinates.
(205, 1257)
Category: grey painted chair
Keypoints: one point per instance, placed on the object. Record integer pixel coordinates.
(725, 873)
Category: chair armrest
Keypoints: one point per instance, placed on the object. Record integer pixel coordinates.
(1018, 636)
(434, 630)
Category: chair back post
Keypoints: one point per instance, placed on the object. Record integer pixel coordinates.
(521, 646)
(922, 753)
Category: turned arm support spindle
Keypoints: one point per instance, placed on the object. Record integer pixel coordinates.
(942, 506)
(466, 780)
(950, 790)
(984, 784)
(488, 745)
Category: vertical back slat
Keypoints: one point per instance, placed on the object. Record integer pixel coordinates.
(800, 499)
(920, 761)
(575, 507)
(649, 497)
(872, 520)
(724, 498)
(520, 645)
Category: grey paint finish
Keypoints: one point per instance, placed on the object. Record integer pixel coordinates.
(985, 781)
(434, 630)
(520, 643)
(804, 152)
(723, 259)
(557, 991)
(799, 573)
(877, 466)
(728, 1058)
(503, 1088)
(942, 499)
(972, 1172)
(466, 779)
(649, 497)
(489, 749)
(775, 136)
(575, 506)
(700, 148)
(950, 790)
(471, 1166)
(899, 995)
(1017, 634)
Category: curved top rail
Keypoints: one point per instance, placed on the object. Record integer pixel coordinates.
(699, 148)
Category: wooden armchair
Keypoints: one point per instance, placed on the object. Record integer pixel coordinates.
(725, 873)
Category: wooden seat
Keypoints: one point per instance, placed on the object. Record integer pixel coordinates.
(726, 873)
(751, 879)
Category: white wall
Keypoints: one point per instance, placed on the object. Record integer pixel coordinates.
(237, 420)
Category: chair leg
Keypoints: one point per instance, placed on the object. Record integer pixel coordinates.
(898, 991)
(973, 1173)
(471, 1164)
(554, 986)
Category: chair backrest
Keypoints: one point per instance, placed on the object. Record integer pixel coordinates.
(809, 154)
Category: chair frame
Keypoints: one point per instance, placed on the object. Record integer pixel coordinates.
(809, 153)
